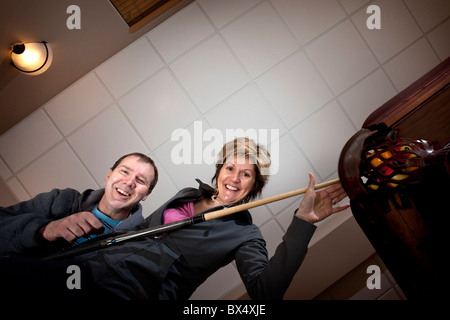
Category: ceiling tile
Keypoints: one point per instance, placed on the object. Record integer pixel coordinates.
(309, 18)
(180, 32)
(352, 5)
(28, 139)
(248, 111)
(429, 13)
(58, 168)
(273, 235)
(221, 12)
(260, 39)
(177, 156)
(366, 96)
(411, 64)
(17, 188)
(157, 107)
(342, 57)
(398, 29)
(439, 40)
(209, 73)
(129, 67)
(331, 129)
(103, 140)
(291, 172)
(75, 105)
(295, 89)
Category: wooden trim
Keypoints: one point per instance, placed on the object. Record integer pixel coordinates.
(140, 13)
(155, 14)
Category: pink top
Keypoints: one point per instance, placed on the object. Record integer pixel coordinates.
(175, 214)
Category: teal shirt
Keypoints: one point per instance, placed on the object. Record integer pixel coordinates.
(107, 222)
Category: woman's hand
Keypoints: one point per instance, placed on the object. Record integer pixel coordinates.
(317, 206)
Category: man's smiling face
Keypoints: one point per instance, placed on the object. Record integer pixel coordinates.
(126, 185)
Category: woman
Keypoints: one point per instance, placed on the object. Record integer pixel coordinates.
(173, 265)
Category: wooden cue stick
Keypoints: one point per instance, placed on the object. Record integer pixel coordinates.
(212, 215)
(257, 203)
(100, 243)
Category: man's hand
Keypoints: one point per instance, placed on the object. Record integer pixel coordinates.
(72, 227)
(317, 206)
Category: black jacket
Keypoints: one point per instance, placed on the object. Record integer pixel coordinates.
(172, 266)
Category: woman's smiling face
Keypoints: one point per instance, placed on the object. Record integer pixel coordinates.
(236, 179)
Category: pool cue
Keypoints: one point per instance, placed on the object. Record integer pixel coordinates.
(201, 217)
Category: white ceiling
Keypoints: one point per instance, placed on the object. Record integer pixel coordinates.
(75, 52)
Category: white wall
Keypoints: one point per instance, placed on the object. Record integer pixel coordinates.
(311, 69)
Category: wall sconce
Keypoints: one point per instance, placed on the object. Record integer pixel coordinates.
(31, 58)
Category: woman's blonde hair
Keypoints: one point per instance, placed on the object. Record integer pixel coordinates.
(257, 154)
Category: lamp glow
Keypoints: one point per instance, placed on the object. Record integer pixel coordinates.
(31, 58)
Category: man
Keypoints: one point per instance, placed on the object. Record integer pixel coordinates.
(56, 219)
